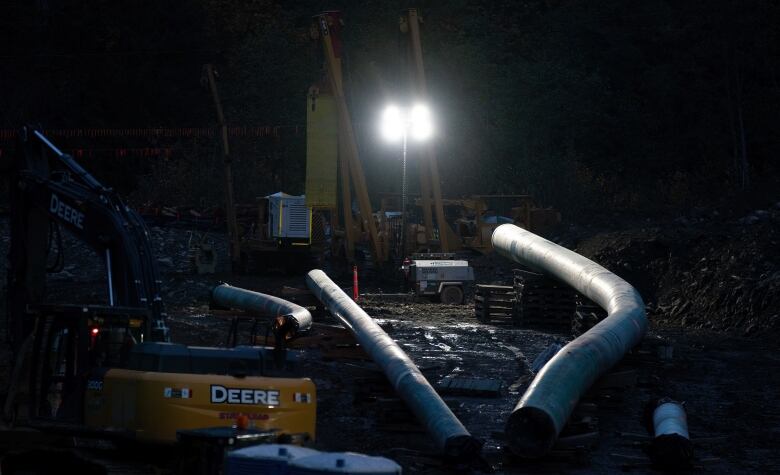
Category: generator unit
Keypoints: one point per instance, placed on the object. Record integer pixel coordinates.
(289, 218)
(445, 278)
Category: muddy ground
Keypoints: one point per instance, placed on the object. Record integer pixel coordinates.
(728, 378)
(728, 383)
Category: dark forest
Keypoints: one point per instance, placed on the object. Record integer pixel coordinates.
(588, 107)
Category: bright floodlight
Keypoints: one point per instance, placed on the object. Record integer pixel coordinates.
(420, 122)
(393, 124)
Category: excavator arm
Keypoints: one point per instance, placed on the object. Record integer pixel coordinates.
(89, 368)
(49, 188)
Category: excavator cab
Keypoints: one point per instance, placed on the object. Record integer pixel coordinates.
(111, 369)
(70, 343)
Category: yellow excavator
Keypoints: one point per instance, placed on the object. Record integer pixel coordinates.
(109, 369)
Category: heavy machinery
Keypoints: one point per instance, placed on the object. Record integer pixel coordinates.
(332, 145)
(278, 229)
(429, 169)
(444, 225)
(477, 216)
(439, 275)
(107, 368)
(351, 177)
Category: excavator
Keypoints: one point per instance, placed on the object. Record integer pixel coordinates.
(109, 369)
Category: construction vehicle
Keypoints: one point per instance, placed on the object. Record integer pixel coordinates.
(107, 368)
(351, 177)
(334, 177)
(477, 216)
(327, 29)
(468, 226)
(430, 184)
(473, 219)
(289, 219)
(439, 275)
(340, 152)
(278, 230)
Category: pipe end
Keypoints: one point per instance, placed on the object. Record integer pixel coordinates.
(213, 300)
(530, 432)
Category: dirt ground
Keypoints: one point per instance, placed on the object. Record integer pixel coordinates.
(725, 370)
(728, 384)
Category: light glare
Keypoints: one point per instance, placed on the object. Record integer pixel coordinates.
(392, 124)
(420, 122)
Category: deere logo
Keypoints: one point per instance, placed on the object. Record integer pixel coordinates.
(223, 395)
(66, 212)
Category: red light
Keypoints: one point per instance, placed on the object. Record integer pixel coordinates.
(95, 331)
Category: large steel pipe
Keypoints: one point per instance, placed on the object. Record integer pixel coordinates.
(672, 447)
(290, 317)
(545, 407)
(448, 433)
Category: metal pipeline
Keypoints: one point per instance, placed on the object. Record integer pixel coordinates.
(548, 402)
(672, 447)
(447, 431)
(289, 317)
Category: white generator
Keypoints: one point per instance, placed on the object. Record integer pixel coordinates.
(446, 279)
(289, 218)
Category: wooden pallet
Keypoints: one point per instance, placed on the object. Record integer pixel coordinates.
(586, 316)
(494, 304)
(543, 302)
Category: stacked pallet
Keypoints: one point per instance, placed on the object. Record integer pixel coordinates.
(494, 303)
(543, 302)
(587, 315)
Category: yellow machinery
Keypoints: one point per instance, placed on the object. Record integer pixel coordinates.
(474, 219)
(254, 241)
(429, 168)
(110, 369)
(474, 226)
(328, 29)
(88, 371)
(153, 406)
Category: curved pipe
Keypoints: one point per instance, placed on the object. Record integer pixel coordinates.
(545, 407)
(294, 318)
(447, 431)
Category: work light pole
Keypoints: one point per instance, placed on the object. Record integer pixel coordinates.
(403, 197)
(398, 124)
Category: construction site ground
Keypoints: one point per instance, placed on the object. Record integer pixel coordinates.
(723, 361)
